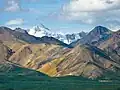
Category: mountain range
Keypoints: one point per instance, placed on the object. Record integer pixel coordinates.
(41, 30)
(99, 33)
(95, 56)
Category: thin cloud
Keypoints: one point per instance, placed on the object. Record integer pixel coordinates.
(17, 21)
(12, 6)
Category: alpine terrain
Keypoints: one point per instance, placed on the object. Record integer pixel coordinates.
(37, 58)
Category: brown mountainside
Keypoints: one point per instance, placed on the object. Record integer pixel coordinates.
(55, 58)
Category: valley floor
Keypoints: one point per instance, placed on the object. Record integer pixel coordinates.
(46, 83)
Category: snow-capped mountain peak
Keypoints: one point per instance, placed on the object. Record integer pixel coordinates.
(41, 30)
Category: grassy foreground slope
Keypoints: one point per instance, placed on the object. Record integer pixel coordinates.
(13, 77)
(44, 83)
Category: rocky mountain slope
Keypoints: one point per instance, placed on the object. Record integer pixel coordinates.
(112, 46)
(86, 61)
(97, 35)
(5, 52)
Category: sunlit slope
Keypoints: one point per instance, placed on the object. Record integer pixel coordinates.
(55, 60)
(34, 55)
(5, 52)
(86, 61)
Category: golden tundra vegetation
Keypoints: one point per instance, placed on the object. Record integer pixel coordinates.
(56, 60)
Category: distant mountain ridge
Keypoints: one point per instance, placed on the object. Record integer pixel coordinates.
(40, 31)
(98, 34)
(8, 34)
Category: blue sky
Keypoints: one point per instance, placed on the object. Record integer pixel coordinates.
(60, 15)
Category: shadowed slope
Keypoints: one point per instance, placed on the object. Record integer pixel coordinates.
(98, 34)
